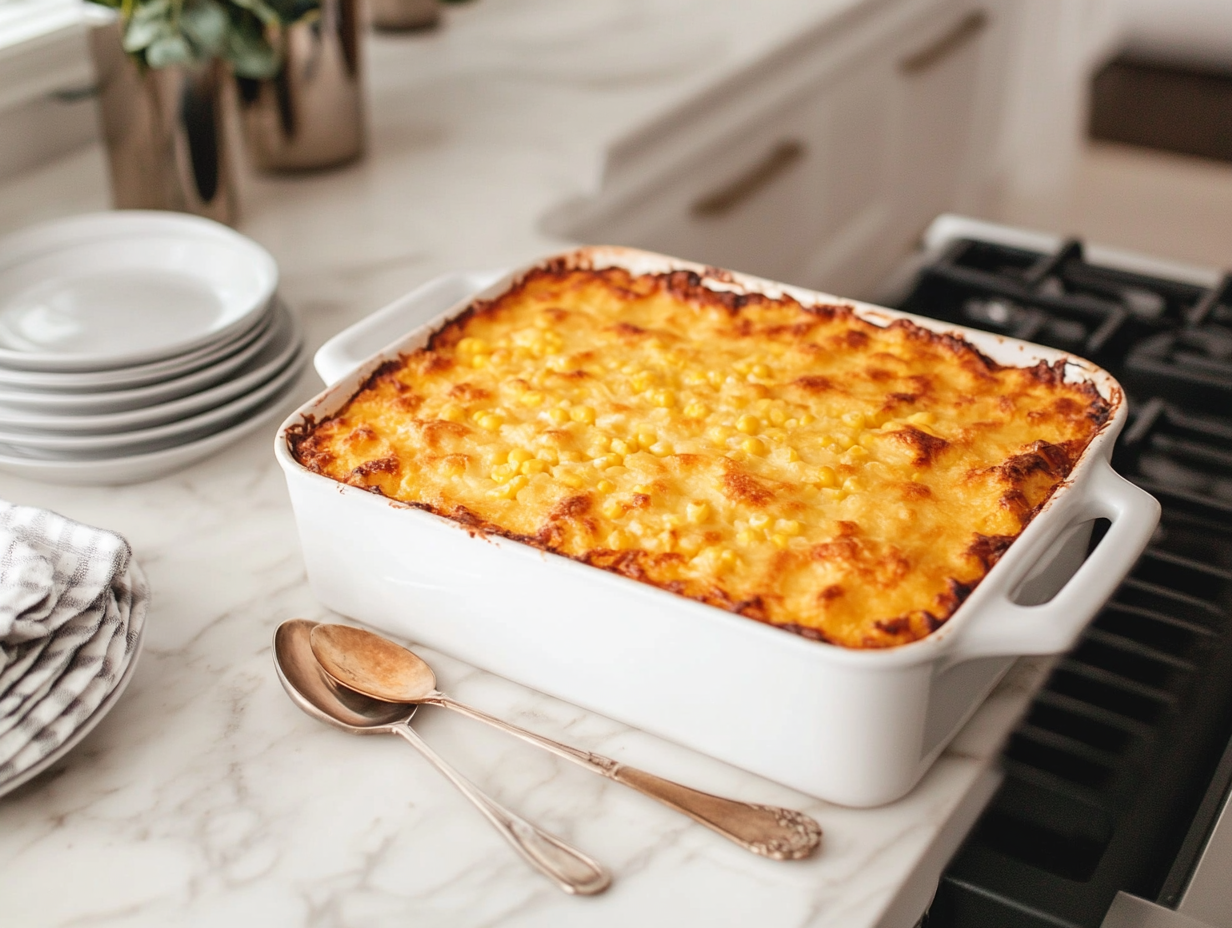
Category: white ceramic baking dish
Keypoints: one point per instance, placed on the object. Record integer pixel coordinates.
(853, 727)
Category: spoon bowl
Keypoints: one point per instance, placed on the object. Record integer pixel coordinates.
(371, 665)
(312, 690)
(315, 693)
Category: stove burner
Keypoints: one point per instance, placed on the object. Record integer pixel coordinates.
(1106, 773)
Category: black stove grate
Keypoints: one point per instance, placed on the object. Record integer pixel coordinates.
(1106, 771)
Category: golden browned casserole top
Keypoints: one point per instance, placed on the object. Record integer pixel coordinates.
(794, 464)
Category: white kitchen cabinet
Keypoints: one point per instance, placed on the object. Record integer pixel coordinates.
(820, 167)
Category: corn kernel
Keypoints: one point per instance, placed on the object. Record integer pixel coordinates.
(619, 446)
(605, 486)
(480, 360)
(584, 414)
(612, 509)
(719, 434)
(618, 540)
(468, 344)
(519, 456)
(517, 483)
(777, 417)
(641, 381)
(807, 419)
(745, 537)
(760, 370)
(754, 446)
(855, 451)
(698, 512)
(854, 419)
(727, 559)
(696, 411)
(852, 485)
(599, 444)
(534, 466)
(452, 412)
(646, 439)
(664, 398)
(826, 477)
(788, 526)
(532, 398)
(643, 489)
(549, 455)
(660, 449)
(759, 520)
(689, 545)
(571, 457)
(922, 418)
(793, 455)
(791, 423)
(716, 378)
(453, 467)
(604, 461)
(780, 540)
(750, 425)
(558, 416)
(571, 480)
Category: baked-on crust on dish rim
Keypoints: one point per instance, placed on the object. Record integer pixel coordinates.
(795, 464)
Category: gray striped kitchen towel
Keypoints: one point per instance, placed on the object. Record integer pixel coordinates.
(72, 604)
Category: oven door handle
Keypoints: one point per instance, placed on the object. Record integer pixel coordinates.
(354, 345)
(1004, 628)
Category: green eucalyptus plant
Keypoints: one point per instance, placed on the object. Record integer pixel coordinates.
(162, 33)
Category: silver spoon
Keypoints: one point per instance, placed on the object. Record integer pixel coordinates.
(379, 668)
(313, 691)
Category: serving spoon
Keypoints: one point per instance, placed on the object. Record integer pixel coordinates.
(314, 692)
(380, 669)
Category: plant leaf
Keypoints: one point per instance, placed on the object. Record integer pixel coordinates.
(141, 33)
(169, 50)
(251, 55)
(259, 8)
(205, 24)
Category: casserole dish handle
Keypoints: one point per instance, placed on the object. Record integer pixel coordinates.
(354, 345)
(1009, 629)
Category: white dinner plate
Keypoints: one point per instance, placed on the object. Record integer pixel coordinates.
(122, 288)
(274, 355)
(138, 375)
(84, 447)
(100, 402)
(136, 468)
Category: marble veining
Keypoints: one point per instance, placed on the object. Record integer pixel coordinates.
(206, 798)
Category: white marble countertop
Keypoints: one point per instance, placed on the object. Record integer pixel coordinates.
(206, 798)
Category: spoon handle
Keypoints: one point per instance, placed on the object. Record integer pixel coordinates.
(568, 868)
(771, 831)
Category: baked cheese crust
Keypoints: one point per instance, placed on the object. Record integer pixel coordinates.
(794, 464)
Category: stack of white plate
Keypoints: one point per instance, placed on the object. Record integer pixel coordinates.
(133, 343)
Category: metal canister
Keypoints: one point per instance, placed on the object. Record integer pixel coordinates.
(311, 113)
(166, 132)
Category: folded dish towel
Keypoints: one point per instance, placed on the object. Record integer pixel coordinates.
(72, 604)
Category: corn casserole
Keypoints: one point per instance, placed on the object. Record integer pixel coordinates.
(798, 465)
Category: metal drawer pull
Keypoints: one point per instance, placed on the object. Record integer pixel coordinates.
(725, 199)
(963, 32)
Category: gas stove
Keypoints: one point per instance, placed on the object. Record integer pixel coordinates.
(1118, 775)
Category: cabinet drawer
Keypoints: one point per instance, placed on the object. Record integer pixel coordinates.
(752, 202)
